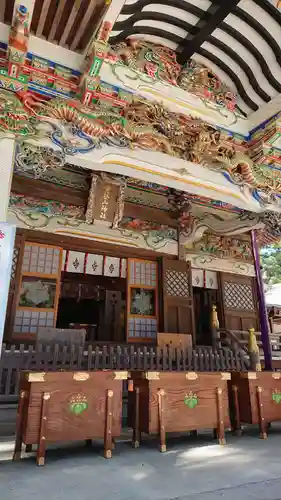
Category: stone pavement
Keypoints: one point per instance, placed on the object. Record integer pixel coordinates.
(246, 468)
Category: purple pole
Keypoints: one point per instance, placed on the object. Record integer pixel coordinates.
(262, 306)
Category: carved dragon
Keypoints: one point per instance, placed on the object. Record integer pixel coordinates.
(189, 138)
(141, 124)
(93, 123)
(13, 117)
(160, 62)
(243, 170)
(155, 60)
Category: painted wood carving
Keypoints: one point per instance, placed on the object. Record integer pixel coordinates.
(224, 247)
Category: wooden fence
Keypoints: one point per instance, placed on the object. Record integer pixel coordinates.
(236, 339)
(58, 357)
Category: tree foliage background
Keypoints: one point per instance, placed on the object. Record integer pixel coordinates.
(271, 264)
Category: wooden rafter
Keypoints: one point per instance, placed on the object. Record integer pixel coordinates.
(43, 17)
(85, 20)
(2, 10)
(70, 22)
(213, 17)
(56, 20)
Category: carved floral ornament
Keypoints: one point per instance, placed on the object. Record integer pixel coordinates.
(271, 233)
(37, 159)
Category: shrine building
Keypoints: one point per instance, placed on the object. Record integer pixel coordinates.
(140, 160)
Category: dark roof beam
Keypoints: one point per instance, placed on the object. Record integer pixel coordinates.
(211, 19)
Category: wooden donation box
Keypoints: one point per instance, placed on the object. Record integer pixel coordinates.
(163, 402)
(255, 399)
(68, 406)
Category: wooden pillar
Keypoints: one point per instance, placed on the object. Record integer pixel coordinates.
(262, 423)
(19, 421)
(162, 432)
(181, 248)
(136, 428)
(7, 155)
(41, 447)
(237, 424)
(262, 306)
(7, 231)
(108, 425)
(220, 409)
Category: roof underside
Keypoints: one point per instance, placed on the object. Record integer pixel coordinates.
(237, 40)
(68, 23)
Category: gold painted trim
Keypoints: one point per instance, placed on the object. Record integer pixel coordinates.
(173, 177)
(276, 375)
(191, 376)
(36, 377)
(124, 375)
(81, 376)
(151, 375)
(225, 376)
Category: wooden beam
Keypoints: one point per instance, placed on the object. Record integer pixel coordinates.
(48, 191)
(111, 12)
(70, 196)
(56, 20)
(43, 17)
(2, 10)
(91, 246)
(151, 214)
(211, 20)
(70, 22)
(84, 22)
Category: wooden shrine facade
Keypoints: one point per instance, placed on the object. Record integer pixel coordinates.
(141, 181)
(142, 293)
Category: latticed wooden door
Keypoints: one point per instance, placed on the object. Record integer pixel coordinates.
(38, 290)
(240, 305)
(142, 300)
(177, 297)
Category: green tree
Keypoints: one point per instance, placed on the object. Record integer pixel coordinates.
(271, 264)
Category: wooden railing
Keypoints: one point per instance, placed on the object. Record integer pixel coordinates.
(242, 337)
(58, 357)
(230, 339)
